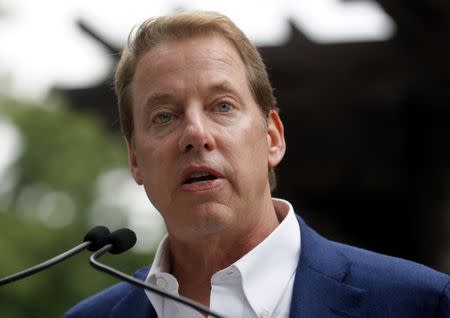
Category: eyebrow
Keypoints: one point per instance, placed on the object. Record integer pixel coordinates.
(167, 98)
(159, 98)
(222, 87)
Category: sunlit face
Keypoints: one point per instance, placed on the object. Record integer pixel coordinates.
(201, 146)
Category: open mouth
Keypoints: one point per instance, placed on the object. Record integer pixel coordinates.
(199, 177)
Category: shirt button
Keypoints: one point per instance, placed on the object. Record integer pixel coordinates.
(161, 283)
(264, 314)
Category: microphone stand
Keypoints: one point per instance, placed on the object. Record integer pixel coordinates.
(130, 279)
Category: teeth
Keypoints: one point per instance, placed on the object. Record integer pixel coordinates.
(199, 174)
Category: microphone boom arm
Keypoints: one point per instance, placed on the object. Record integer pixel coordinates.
(130, 279)
(39, 267)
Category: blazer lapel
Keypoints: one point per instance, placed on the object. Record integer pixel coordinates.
(319, 286)
(135, 304)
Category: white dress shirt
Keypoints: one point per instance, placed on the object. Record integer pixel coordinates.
(257, 285)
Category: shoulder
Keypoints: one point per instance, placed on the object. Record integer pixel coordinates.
(101, 304)
(364, 266)
(390, 270)
(397, 283)
(389, 284)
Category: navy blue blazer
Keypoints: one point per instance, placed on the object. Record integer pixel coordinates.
(332, 280)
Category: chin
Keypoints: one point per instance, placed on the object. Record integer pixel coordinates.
(209, 219)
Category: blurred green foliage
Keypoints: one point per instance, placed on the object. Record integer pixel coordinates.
(63, 152)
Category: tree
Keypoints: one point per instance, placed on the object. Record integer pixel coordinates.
(47, 208)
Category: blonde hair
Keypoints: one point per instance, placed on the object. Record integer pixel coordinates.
(182, 25)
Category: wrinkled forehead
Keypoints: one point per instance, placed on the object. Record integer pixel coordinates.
(196, 53)
(191, 49)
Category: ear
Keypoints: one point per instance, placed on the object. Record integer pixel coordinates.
(275, 139)
(133, 162)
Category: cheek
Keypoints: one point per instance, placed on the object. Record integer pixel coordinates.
(155, 175)
(160, 162)
(152, 160)
(248, 149)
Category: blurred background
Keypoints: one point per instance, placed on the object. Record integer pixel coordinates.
(363, 88)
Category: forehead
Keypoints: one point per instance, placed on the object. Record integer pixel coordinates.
(196, 61)
(214, 47)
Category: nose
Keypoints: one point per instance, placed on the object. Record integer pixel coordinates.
(196, 134)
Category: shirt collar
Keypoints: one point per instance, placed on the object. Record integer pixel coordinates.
(161, 262)
(265, 271)
(267, 268)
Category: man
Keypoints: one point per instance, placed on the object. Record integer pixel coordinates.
(204, 136)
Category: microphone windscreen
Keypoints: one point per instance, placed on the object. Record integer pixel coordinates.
(98, 236)
(121, 240)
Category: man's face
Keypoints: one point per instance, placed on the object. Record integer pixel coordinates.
(201, 147)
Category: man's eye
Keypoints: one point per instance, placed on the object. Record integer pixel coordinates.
(224, 107)
(163, 118)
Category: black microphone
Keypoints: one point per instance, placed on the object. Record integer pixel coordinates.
(96, 238)
(121, 241)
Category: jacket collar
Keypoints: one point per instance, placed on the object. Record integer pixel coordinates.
(135, 304)
(319, 287)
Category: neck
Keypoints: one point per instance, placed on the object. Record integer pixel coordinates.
(195, 261)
